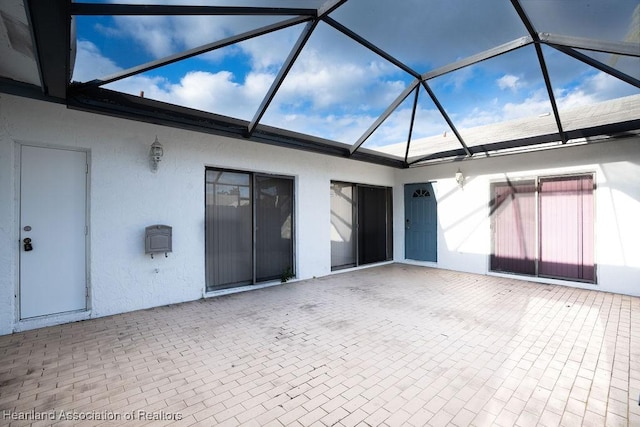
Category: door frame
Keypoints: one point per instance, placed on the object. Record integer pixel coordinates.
(49, 319)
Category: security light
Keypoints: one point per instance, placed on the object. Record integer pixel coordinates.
(155, 154)
(460, 178)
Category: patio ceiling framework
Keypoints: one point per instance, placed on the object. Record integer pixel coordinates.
(528, 77)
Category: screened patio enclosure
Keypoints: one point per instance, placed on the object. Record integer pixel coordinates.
(394, 83)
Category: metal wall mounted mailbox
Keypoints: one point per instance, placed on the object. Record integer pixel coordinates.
(157, 238)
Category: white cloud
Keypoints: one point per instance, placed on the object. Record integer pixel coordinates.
(155, 34)
(269, 51)
(570, 99)
(160, 36)
(394, 130)
(593, 89)
(211, 92)
(220, 94)
(312, 101)
(338, 85)
(605, 87)
(346, 128)
(106, 30)
(153, 87)
(90, 64)
(509, 81)
(534, 105)
(456, 81)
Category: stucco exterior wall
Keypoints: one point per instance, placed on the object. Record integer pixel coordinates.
(125, 197)
(464, 234)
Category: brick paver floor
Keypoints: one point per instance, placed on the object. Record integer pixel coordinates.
(391, 345)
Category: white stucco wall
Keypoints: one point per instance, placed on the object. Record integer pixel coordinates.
(464, 239)
(125, 197)
(8, 241)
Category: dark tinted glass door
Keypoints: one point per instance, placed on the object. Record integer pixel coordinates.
(229, 229)
(274, 227)
(373, 218)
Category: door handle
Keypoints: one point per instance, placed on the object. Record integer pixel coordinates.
(27, 244)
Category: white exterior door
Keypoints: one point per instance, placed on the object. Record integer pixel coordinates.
(53, 188)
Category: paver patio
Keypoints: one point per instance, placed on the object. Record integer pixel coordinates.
(389, 345)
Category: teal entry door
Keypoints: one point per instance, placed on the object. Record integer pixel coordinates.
(420, 226)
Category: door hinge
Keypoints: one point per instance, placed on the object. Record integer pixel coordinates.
(87, 171)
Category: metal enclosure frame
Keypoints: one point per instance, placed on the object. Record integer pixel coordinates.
(51, 25)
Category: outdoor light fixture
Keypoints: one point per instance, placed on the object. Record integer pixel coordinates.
(155, 154)
(460, 178)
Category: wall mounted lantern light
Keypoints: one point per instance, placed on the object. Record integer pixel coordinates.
(155, 154)
(460, 178)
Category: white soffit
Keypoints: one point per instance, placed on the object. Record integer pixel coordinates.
(16, 46)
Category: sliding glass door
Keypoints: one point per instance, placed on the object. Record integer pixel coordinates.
(545, 227)
(249, 228)
(361, 225)
(513, 221)
(374, 224)
(343, 219)
(229, 229)
(274, 231)
(566, 228)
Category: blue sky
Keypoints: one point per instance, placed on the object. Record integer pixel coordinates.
(337, 88)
